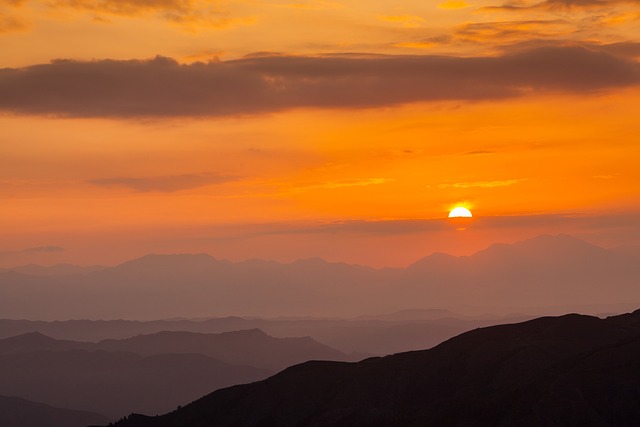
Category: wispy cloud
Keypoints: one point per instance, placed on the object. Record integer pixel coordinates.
(111, 88)
(163, 184)
(35, 250)
(189, 13)
(9, 20)
(45, 249)
(557, 4)
(335, 184)
(556, 222)
(505, 31)
(483, 184)
(479, 152)
(453, 4)
(406, 21)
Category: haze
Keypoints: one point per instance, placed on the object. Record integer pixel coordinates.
(199, 194)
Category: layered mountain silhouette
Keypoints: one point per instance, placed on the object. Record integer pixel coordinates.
(558, 270)
(148, 373)
(251, 347)
(16, 412)
(370, 335)
(572, 370)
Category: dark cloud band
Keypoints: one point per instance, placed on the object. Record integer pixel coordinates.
(161, 87)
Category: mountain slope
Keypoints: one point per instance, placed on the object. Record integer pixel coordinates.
(16, 412)
(569, 370)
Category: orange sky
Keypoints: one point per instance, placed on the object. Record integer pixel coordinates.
(339, 129)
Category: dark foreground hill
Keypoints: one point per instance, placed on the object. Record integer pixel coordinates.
(572, 370)
(15, 412)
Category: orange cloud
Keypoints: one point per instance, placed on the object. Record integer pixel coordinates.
(483, 184)
(453, 4)
(558, 4)
(9, 21)
(508, 31)
(190, 14)
(10, 24)
(406, 21)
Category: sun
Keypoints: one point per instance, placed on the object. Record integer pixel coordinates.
(460, 212)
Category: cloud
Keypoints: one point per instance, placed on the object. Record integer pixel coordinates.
(557, 222)
(630, 49)
(44, 249)
(343, 183)
(558, 4)
(10, 24)
(512, 30)
(163, 184)
(9, 21)
(478, 152)
(128, 7)
(34, 250)
(453, 4)
(189, 13)
(161, 87)
(483, 184)
(406, 21)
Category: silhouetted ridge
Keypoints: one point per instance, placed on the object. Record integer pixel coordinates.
(545, 247)
(250, 347)
(35, 341)
(170, 263)
(551, 371)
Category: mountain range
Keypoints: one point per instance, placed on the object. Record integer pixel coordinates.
(150, 374)
(572, 370)
(367, 335)
(548, 270)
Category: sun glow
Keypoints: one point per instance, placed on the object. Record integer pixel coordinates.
(460, 212)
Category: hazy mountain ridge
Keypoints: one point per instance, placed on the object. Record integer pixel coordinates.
(548, 268)
(250, 347)
(147, 373)
(373, 335)
(568, 370)
(112, 383)
(246, 347)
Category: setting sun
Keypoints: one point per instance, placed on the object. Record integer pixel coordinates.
(460, 212)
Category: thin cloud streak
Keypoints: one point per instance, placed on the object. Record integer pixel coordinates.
(483, 184)
(413, 226)
(36, 250)
(163, 184)
(558, 4)
(161, 87)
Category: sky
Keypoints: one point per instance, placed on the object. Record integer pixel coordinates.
(345, 130)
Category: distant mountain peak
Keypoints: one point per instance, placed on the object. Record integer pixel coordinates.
(546, 245)
(31, 337)
(167, 262)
